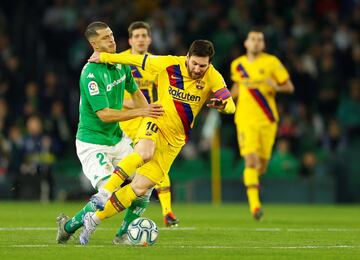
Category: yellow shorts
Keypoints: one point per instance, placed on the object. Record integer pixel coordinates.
(256, 138)
(131, 127)
(164, 155)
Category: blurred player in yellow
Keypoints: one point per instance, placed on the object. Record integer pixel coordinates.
(185, 83)
(257, 77)
(140, 40)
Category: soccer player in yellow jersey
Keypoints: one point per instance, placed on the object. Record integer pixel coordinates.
(140, 40)
(257, 77)
(184, 85)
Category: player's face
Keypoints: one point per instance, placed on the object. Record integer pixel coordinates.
(255, 43)
(197, 66)
(104, 41)
(140, 41)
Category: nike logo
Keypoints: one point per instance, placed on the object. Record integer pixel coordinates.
(174, 77)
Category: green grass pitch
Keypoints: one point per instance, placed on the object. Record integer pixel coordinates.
(28, 230)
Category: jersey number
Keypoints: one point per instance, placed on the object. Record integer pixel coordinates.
(101, 158)
(152, 126)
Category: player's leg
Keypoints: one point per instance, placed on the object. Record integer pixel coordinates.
(155, 170)
(143, 152)
(164, 194)
(118, 202)
(97, 167)
(262, 166)
(136, 210)
(248, 144)
(251, 182)
(267, 134)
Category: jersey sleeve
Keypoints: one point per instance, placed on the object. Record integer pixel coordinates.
(279, 72)
(94, 90)
(149, 63)
(130, 84)
(218, 85)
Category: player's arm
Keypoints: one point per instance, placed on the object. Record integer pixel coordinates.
(109, 115)
(235, 78)
(128, 104)
(222, 101)
(280, 79)
(150, 63)
(139, 99)
(234, 91)
(286, 87)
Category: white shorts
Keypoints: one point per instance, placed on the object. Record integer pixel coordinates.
(98, 161)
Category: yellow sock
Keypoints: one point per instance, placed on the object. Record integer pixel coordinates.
(123, 170)
(119, 201)
(164, 195)
(251, 181)
(253, 198)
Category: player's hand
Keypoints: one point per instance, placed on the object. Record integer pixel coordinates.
(216, 103)
(95, 57)
(153, 110)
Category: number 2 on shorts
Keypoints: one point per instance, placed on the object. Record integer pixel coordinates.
(101, 158)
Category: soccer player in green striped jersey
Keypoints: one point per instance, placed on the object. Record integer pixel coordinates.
(100, 142)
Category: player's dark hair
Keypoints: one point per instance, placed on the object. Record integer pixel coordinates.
(139, 25)
(256, 30)
(202, 48)
(91, 29)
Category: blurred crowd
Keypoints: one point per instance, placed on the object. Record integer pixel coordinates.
(42, 51)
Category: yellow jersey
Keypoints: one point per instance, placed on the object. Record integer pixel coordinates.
(256, 100)
(181, 96)
(147, 83)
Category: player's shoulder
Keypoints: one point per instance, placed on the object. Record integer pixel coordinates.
(91, 66)
(90, 70)
(212, 72)
(269, 57)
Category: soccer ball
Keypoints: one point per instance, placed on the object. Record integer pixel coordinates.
(142, 232)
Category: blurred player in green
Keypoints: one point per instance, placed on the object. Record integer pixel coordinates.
(257, 77)
(100, 142)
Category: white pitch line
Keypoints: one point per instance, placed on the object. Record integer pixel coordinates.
(203, 247)
(204, 228)
(54, 228)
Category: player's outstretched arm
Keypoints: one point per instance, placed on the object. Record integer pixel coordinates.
(109, 115)
(150, 63)
(113, 58)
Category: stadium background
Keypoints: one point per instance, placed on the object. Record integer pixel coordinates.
(42, 51)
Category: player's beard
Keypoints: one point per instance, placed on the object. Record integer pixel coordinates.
(195, 76)
(192, 74)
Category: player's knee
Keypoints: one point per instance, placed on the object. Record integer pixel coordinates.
(141, 185)
(251, 165)
(146, 149)
(251, 161)
(147, 155)
(262, 166)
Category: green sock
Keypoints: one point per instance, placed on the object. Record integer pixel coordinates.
(136, 209)
(76, 222)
